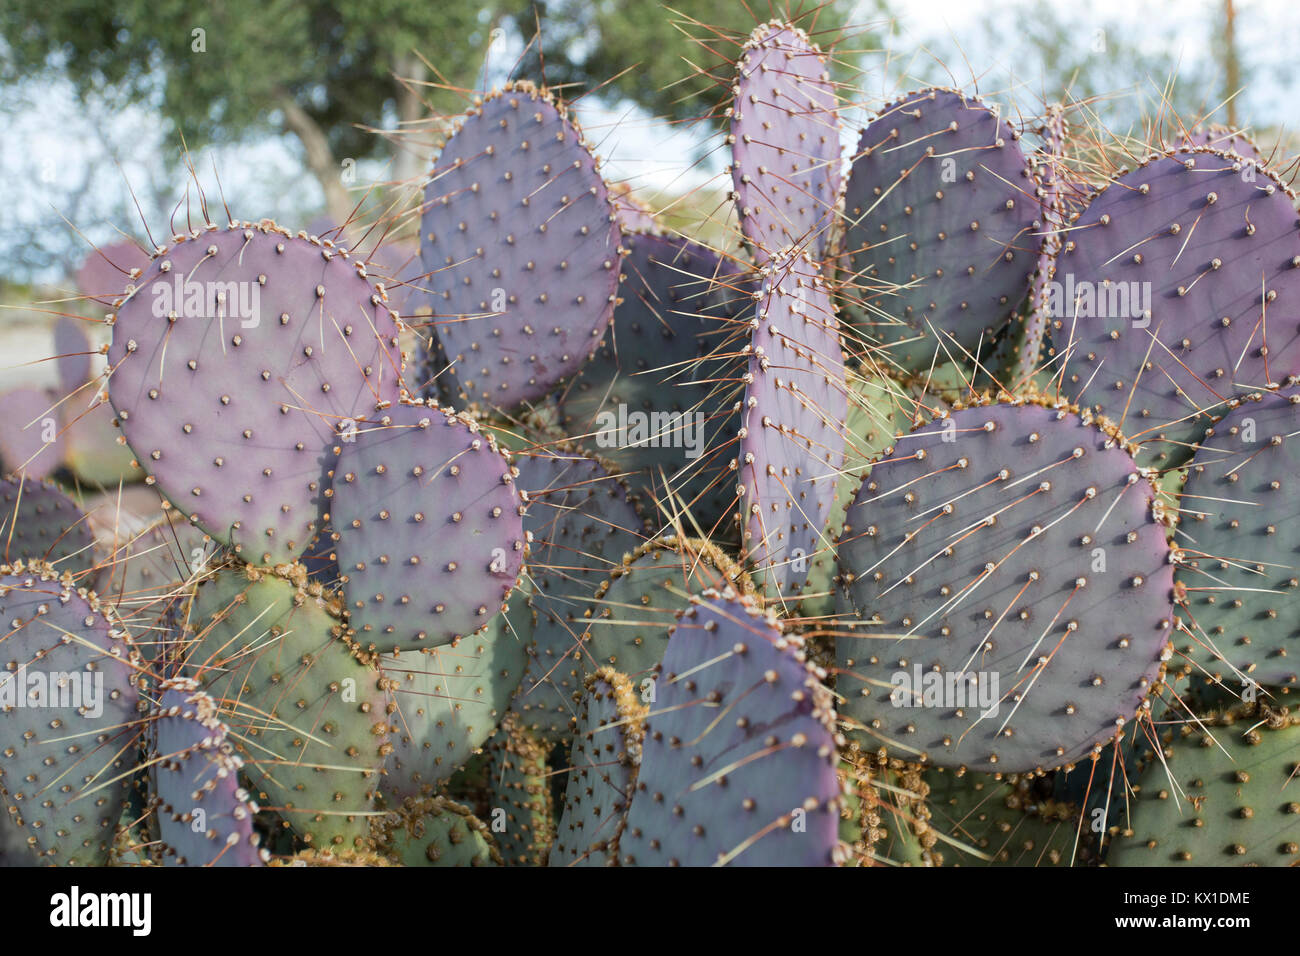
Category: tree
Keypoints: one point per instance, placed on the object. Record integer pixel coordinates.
(331, 73)
(321, 71)
(669, 57)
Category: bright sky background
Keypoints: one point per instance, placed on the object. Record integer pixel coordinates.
(52, 151)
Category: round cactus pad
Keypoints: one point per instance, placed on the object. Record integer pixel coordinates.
(240, 358)
(521, 245)
(429, 525)
(939, 205)
(1174, 287)
(1014, 587)
(738, 765)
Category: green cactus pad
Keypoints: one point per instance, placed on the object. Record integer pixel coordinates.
(450, 699)
(982, 821)
(1239, 582)
(1203, 806)
(434, 831)
(69, 687)
(636, 607)
(309, 711)
(603, 761)
(521, 812)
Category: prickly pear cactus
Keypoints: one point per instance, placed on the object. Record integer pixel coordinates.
(785, 142)
(69, 684)
(308, 710)
(648, 399)
(1170, 287)
(636, 607)
(1222, 796)
(429, 526)
(738, 764)
(981, 821)
(1239, 584)
(238, 361)
(583, 520)
(940, 209)
(521, 808)
(449, 700)
(603, 762)
(521, 245)
(792, 438)
(434, 831)
(39, 522)
(205, 817)
(29, 433)
(1015, 592)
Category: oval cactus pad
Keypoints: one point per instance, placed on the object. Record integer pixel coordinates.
(738, 763)
(235, 364)
(430, 528)
(785, 142)
(940, 205)
(1174, 287)
(1015, 589)
(521, 245)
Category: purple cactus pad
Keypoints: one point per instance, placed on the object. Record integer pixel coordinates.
(521, 246)
(242, 355)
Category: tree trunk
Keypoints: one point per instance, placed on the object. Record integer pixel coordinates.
(411, 151)
(319, 156)
(1232, 65)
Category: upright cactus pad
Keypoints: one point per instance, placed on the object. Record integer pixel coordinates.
(636, 607)
(238, 361)
(72, 351)
(521, 245)
(940, 209)
(38, 522)
(430, 528)
(521, 808)
(792, 430)
(107, 271)
(1239, 582)
(205, 818)
(603, 763)
(310, 718)
(738, 765)
(1172, 290)
(29, 433)
(1201, 807)
(434, 831)
(449, 700)
(785, 142)
(582, 521)
(1014, 585)
(69, 684)
(652, 398)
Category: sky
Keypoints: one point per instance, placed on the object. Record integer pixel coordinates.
(75, 164)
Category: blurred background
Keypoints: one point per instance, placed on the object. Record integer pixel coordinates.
(316, 113)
